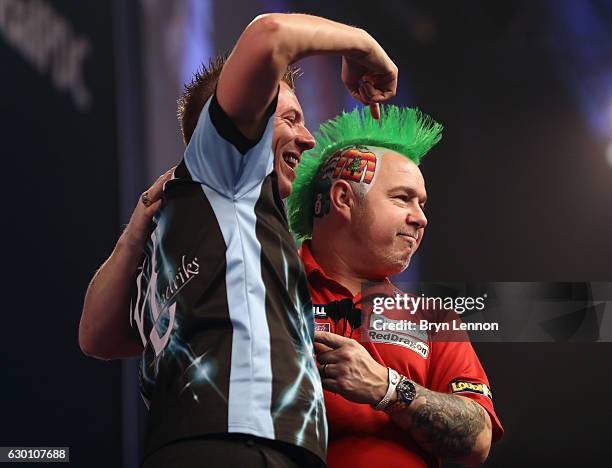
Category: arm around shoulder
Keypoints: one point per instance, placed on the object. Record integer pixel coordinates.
(104, 329)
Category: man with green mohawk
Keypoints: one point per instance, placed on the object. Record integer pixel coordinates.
(392, 399)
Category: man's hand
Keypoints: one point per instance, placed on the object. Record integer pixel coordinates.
(450, 426)
(371, 78)
(348, 369)
(138, 229)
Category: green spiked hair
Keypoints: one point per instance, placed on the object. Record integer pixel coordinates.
(404, 130)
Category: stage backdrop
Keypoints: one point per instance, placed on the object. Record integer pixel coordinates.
(60, 215)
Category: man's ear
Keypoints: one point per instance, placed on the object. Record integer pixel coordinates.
(342, 198)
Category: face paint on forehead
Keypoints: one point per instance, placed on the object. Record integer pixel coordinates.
(356, 164)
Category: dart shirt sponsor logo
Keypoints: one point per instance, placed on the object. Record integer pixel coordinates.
(320, 314)
(156, 295)
(471, 387)
(414, 340)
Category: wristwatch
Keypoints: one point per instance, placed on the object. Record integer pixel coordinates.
(406, 391)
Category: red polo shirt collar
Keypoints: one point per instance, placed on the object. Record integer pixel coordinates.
(318, 280)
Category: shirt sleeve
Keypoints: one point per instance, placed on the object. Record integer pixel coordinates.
(455, 368)
(220, 157)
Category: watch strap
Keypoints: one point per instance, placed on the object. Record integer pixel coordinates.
(394, 379)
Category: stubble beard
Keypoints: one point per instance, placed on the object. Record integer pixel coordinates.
(393, 261)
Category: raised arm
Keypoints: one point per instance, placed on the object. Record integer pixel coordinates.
(250, 77)
(247, 86)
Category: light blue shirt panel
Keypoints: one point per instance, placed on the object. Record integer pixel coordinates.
(217, 163)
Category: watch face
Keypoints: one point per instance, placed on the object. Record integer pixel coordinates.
(406, 391)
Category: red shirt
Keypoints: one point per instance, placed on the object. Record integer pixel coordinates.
(359, 436)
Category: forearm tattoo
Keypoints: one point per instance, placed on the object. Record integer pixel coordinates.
(447, 423)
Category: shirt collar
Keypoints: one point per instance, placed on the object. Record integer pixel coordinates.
(313, 269)
(317, 276)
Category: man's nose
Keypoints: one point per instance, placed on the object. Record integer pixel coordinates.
(304, 140)
(416, 217)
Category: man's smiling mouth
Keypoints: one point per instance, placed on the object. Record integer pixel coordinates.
(291, 159)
